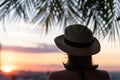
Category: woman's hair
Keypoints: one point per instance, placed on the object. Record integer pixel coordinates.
(79, 62)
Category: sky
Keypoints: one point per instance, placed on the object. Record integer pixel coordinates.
(25, 48)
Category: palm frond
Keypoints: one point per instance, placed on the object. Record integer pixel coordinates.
(100, 15)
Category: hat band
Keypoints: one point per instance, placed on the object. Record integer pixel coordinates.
(78, 45)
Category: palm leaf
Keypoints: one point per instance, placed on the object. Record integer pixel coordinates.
(100, 15)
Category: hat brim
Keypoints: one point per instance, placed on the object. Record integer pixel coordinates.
(93, 49)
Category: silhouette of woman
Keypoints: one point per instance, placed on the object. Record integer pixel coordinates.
(79, 44)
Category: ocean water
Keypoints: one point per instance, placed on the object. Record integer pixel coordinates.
(114, 75)
(43, 76)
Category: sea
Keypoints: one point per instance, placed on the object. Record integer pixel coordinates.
(114, 75)
(44, 76)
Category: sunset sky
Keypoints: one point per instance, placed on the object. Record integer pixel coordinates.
(25, 49)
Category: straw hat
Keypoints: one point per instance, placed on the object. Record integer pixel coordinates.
(78, 40)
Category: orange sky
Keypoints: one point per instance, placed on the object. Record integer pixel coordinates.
(53, 61)
(35, 61)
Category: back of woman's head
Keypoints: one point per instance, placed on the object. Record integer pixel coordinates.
(80, 62)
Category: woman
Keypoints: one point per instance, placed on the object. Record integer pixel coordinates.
(79, 44)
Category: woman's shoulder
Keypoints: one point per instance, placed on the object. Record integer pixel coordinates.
(59, 74)
(56, 74)
(103, 74)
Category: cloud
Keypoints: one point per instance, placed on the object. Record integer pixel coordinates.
(41, 48)
(110, 67)
(40, 67)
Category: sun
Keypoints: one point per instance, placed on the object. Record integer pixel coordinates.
(6, 69)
